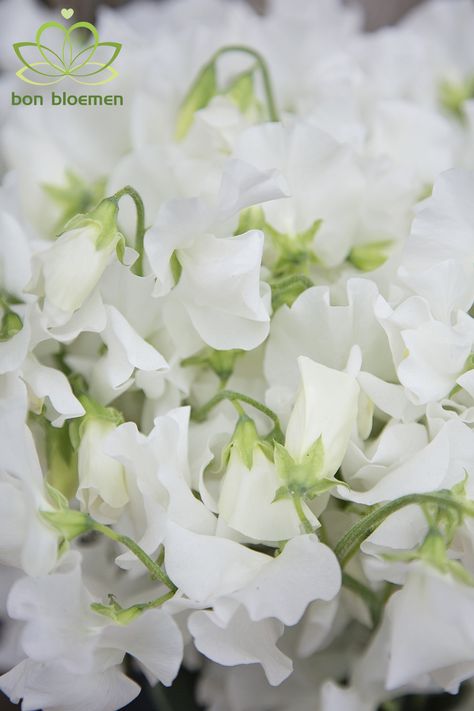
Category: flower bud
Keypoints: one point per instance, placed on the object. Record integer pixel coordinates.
(325, 411)
(74, 264)
(102, 487)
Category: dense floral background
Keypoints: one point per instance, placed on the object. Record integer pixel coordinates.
(236, 355)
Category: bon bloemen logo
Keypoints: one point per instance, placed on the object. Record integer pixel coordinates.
(76, 54)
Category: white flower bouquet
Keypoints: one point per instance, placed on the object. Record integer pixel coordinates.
(236, 358)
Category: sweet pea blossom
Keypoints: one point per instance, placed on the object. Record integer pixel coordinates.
(237, 390)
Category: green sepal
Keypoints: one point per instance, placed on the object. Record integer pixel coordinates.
(176, 268)
(324, 485)
(221, 362)
(241, 90)
(252, 218)
(68, 522)
(94, 411)
(453, 95)
(102, 218)
(198, 97)
(120, 249)
(245, 439)
(76, 196)
(56, 497)
(301, 476)
(62, 474)
(10, 325)
(295, 252)
(116, 613)
(281, 493)
(368, 257)
(287, 289)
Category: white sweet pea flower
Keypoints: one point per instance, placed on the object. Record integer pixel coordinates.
(429, 355)
(26, 541)
(325, 410)
(102, 487)
(324, 180)
(438, 259)
(426, 638)
(78, 652)
(217, 274)
(158, 481)
(241, 641)
(316, 327)
(249, 592)
(225, 574)
(438, 464)
(248, 491)
(71, 268)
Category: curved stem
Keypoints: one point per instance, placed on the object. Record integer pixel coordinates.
(156, 572)
(262, 65)
(200, 414)
(371, 599)
(301, 514)
(349, 544)
(137, 267)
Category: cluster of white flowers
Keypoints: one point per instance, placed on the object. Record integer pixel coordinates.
(237, 391)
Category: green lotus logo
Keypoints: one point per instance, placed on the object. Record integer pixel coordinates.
(78, 55)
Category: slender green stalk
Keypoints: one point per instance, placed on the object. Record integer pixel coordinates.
(301, 514)
(137, 268)
(373, 602)
(349, 544)
(158, 602)
(156, 572)
(201, 413)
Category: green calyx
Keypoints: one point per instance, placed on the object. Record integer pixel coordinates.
(10, 322)
(295, 252)
(221, 362)
(302, 478)
(368, 257)
(102, 220)
(245, 440)
(203, 89)
(75, 196)
(434, 552)
(240, 89)
(68, 523)
(453, 95)
(444, 501)
(62, 460)
(10, 325)
(124, 615)
(94, 411)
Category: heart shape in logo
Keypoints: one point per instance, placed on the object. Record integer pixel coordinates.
(67, 12)
(78, 54)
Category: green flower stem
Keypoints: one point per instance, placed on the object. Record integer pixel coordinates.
(156, 572)
(349, 544)
(137, 268)
(201, 413)
(371, 599)
(158, 602)
(262, 65)
(301, 514)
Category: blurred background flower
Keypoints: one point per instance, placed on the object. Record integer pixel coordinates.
(377, 12)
